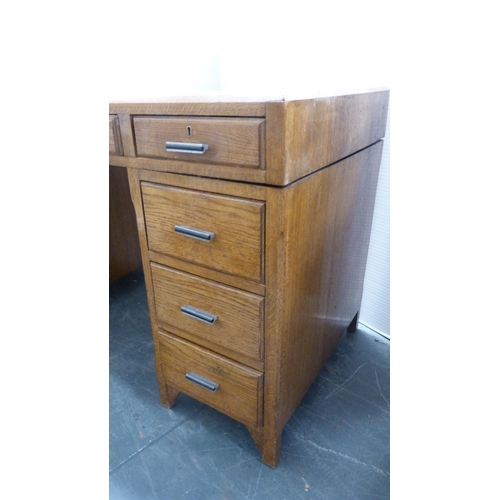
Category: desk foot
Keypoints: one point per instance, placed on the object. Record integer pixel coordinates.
(168, 396)
(353, 326)
(258, 437)
(271, 453)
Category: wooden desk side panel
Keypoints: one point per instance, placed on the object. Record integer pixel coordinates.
(351, 241)
(124, 250)
(327, 222)
(319, 132)
(309, 207)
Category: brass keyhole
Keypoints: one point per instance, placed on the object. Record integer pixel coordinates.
(188, 131)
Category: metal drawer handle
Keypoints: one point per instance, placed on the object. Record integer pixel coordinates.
(202, 381)
(196, 313)
(194, 233)
(186, 147)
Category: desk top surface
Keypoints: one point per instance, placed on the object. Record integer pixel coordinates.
(222, 102)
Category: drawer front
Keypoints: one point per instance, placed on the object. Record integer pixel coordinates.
(239, 391)
(115, 143)
(229, 141)
(237, 226)
(229, 319)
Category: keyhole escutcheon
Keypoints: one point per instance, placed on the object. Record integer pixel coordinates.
(189, 131)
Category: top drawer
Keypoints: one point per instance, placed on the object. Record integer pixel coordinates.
(225, 141)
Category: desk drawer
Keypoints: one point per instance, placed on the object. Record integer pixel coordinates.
(238, 391)
(232, 227)
(226, 141)
(230, 321)
(115, 142)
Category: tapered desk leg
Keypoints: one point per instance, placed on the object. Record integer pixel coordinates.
(353, 326)
(272, 449)
(168, 396)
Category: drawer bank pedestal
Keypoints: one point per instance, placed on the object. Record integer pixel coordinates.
(254, 218)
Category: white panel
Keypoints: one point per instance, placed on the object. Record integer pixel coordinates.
(163, 49)
(375, 306)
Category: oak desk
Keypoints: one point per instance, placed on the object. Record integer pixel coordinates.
(254, 220)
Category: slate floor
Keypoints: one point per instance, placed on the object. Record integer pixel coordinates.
(335, 446)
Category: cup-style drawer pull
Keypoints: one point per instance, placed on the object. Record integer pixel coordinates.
(199, 234)
(186, 147)
(202, 381)
(196, 313)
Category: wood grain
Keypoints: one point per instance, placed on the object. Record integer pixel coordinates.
(307, 262)
(258, 437)
(208, 273)
(232, 141)
(127, 135)
(275, 300)
(240, 388)
(199, 183)
(301, 135)
(275, 143)
(236, 223)
(215, 186)
(124, 250)
(323, 267)
(115, 142)
(112, 141)
(167, 395)
(217, 105)
(238, 330)
(285, 270)
(357, 181)
(320, 132)
(192, 168)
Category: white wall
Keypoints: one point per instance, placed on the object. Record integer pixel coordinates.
(375, 306)
(162, 49)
